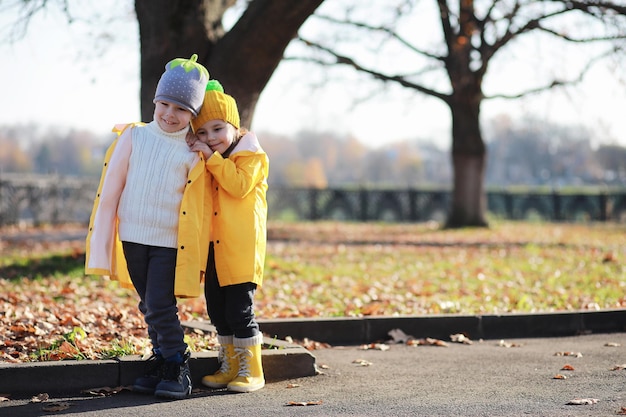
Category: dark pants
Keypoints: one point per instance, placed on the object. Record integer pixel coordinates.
(152, 271)
(230, 308)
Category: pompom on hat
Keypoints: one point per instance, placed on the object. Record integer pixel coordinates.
(217, 105)
(183, 83)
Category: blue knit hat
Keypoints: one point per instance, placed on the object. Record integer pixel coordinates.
(183, 83)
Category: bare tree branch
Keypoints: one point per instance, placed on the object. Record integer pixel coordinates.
(591, 6)
(344, 60)
(557, 83)
(382, 29)
(26, 10)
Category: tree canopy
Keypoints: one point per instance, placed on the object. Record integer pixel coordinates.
(388, 41)
(469, 36)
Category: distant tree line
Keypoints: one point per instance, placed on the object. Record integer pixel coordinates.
(528, 153)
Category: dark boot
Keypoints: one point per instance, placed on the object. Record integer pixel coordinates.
(154, 368)
(176, 378)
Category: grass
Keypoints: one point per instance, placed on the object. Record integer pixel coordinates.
(335, 269)
(328, 269)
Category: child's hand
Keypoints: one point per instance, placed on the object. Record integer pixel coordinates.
(199, 146)
(191, 138)
(195, 145)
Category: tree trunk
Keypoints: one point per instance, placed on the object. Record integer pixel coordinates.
(469, 200)
(242, 59)
(246, 57)
(168, 29)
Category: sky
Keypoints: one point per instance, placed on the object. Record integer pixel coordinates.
(78, 76)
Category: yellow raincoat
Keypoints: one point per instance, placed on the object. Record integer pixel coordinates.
(104, 253)
(239, 225)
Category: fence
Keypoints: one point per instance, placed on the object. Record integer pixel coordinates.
(53, 199)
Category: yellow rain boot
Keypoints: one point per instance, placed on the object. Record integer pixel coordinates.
(229, 365)
(250, 376)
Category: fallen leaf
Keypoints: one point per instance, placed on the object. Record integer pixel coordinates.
(583, 401)
(2, 399)
(40, 398)
(292, 385)
(104, 391)
(609, 257)
(303, 403)
(619, 367)
(622, 412)
(567, 367)
(612, 344)
(574, 354)
(398, 336)
(56, 406)
(374, 346)
(427, 342)
(461, 338)
(362, 362)
(559, 376)
(309, 344)
(502, 343)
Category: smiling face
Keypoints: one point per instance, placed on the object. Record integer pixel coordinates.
(218, 134)
(171, 117)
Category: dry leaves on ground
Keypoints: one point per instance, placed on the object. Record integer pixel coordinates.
(574, 354)
(583, 401)
(362, 362)
(303, 403)
(504, 344)
(52, 311)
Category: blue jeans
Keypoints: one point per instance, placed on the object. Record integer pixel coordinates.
(152, 271)
(230, 308)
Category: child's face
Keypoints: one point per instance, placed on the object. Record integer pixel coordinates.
(218, 134)
(171, 117)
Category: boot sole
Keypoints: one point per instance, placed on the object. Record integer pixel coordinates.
(172, 395)
(214, 385)
(245, 389)
(143, 390)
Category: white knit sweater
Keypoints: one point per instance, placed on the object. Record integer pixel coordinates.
(157, 174)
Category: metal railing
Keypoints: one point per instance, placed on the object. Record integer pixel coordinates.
(50, 199)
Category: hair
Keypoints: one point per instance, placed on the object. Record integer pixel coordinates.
(241, 132)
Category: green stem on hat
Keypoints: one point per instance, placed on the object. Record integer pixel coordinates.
(190, 64)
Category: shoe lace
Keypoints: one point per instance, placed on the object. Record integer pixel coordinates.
(174, 371)
(171, 371)
(244, 356)
(154, 366)
(224, 362)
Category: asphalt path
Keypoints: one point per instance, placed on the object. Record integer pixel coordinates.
(516, 377)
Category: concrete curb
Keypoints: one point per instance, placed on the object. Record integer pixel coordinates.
(340, 331)
(282, 361)
(286, 360)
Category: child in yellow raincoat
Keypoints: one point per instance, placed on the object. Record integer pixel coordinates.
(238, 168)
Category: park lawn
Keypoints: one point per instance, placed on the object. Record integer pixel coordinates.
(328, 269)
(336, 269)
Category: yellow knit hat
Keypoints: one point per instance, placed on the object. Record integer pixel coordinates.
(216, 105)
